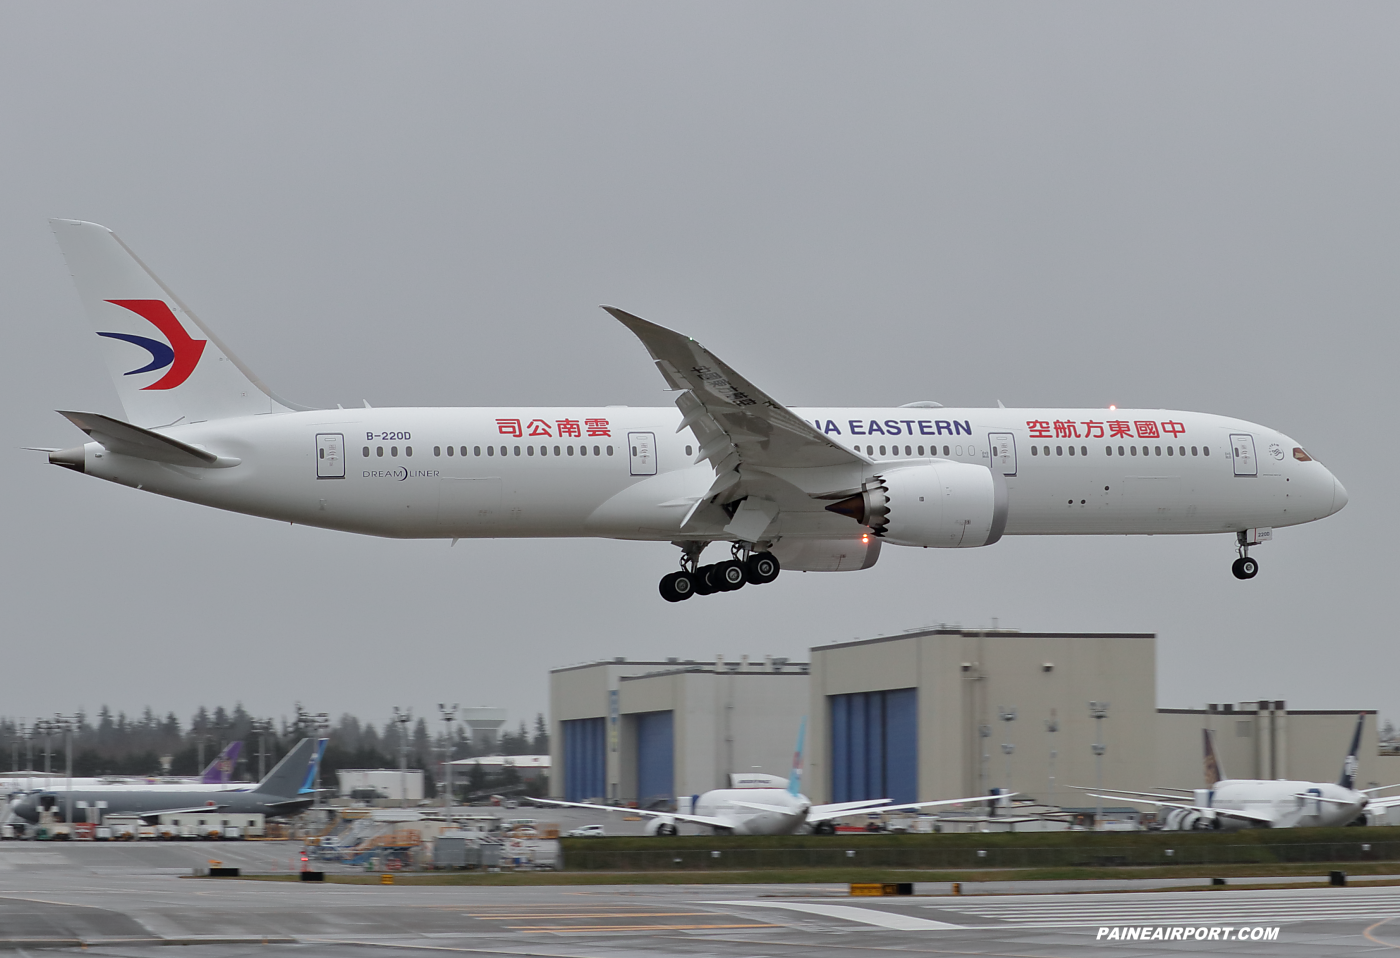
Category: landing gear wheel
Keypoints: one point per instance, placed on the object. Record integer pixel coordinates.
(1245, 568)
(666, 831)
(706, 582)
(677, 587)
(729, 575)
(824, 828)
(761, 568)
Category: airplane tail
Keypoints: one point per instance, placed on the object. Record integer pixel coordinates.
(795, 779)
(308, 784)
(220, 771)
(167, 366)
(1349, 766)
(1214, 770)
(288, 777)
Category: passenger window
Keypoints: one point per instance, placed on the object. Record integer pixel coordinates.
(1071, 450)
(870, 450)
(1205, 450)
(366, 452)
(1169, 450)
(379, 450)
(1133, 450)
(1120, 450)
(690, 450)
(596, 451)
(451, 450)
(556, 450)
(571, 450)
(908, 451)
(517, 450)
(1035, 450)
(529, 450)
(957, 450)
(490, 450)
(1181, 450)
(921, 450)
(1108, 450)
(610, 452)
(1059, 450)
(1159, 450)
(437, 450)
(1084, 450)
(1193, 450)
(476, 450)
(882, 450)
(408, 451)
(945, 451)
(394, 452)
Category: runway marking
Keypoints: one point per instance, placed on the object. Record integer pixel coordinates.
(868, 916)
(1166, 911)
(611, 914)
(1380, 941)
(575, 928)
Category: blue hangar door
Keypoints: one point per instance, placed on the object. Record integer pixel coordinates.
(656, 766)
(875, 746)
(585, 760)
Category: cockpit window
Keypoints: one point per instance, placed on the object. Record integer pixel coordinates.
(1301, 454)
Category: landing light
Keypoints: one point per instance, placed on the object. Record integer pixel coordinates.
(865, 539)
(1111, 407)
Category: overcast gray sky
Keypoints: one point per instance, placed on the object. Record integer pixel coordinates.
(1180, 205)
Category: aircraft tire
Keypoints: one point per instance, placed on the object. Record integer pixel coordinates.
(761, 568)
(730, 575)
(677, 587)
(705, 580)
(1245, 568)
(667, 831)
(824, 828)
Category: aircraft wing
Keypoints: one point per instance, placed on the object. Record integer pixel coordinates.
(150, 817)
(738, 425)
(821, 813)
(695, 819)
(1129, 791)
(1226, 812)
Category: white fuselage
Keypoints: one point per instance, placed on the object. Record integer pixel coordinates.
(1289, 804)
(627, 473)
(727, 804)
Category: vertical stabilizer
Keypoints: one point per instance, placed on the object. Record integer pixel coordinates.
(1349, 766)
(286, 778)
(220, 771)
(795, 779)
(167, 366)
(308, 784)
(1214, 770)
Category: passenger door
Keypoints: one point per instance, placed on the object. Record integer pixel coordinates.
(641, 447)
(1003, 452)
(330, 455)
(1242, 448)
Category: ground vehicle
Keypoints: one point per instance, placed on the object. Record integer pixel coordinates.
(586, 831)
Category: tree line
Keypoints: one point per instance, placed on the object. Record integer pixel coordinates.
(150, 744)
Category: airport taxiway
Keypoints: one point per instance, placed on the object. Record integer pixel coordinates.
(131, 900)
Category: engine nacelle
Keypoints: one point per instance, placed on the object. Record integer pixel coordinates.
(937, 505)
(663, 825)
(1190, 820)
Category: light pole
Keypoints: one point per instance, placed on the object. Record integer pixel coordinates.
(322, 723)
(403, 717)
(1008, 716)
(1099, 712)
(67, 724)
(262, 728)
(1052, 725)
(449, 715)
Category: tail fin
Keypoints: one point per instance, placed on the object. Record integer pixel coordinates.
(1214, 770)
(167, 366)
(1349, 766)
(220, 771)
(308, 784)
(287, 777)
(795, 779)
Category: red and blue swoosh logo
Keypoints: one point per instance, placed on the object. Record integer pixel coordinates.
(179, 352)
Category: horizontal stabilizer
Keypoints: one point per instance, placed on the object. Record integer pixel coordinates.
(124, 439)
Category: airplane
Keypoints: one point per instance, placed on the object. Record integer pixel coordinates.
(1230, 804)
(812, 489)
(216, 777)
(765, 811)
(286, 790)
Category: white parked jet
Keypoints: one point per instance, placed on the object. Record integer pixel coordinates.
(766, 811)
(817, 489)
(1228, 804)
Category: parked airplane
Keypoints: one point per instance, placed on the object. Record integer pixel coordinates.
(286, 790)
(1228, 804)
(818, 489)
(766, 811)
(217, 775)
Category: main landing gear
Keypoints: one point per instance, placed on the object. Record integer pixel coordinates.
(1244, 567)
(745, 568)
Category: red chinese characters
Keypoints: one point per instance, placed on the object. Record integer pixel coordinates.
(1066, 429)
(597, 427)
(1093, 430)
(1040, 428)
(538, 427)
(509, 427)
(1173, 428)
(1147, 430)
(1111, 429)
(568, 429)
(1119, 429)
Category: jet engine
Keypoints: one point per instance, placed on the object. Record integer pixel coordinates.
(662, 825)
(937, 505)
(1191, 820)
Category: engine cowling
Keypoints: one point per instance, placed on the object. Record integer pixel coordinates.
(937, 505)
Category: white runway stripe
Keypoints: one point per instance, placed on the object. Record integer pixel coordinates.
(1179, 909)
(899, 921)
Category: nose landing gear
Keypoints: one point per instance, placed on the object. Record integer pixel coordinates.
(745, 568)
(1244, 567)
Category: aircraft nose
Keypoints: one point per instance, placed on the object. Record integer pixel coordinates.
(1339, 497)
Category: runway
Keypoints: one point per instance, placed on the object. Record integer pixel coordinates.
(131, 901)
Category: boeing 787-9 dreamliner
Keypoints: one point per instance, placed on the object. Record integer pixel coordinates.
(816, 489)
